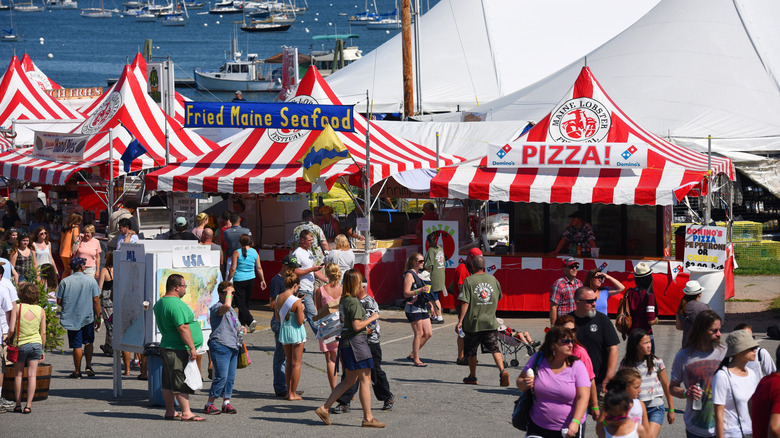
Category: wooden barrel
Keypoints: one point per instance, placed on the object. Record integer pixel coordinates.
(42, 381)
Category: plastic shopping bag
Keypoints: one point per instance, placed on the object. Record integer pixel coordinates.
(192, 376)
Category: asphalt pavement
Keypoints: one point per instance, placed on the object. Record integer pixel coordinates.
(430, 401)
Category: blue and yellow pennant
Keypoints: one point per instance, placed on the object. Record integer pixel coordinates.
(326, 150)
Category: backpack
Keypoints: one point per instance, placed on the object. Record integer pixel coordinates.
(624, 321)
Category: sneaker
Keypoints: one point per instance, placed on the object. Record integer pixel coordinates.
(504, 378)
(6, 403)
(3, 410)
(470, 380)
(373, 423)
(107, 350)
(340, 409)
(89, 372)
(228, 409)
(388, 406)
(252, 326)
(210, 409)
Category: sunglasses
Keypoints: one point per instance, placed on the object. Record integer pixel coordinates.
(566, 341)
(589, 301)
(420, 261)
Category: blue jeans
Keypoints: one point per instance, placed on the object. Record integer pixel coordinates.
(311, 311)
(224, 360)
(689, 434)
(279, 362)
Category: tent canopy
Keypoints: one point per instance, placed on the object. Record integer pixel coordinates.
(671, 172)
(685, 71)
(132, 114)
(266, 160)
(476, 51)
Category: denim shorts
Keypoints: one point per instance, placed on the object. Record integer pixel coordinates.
(31, 351)
(656, 414)
(83, 336)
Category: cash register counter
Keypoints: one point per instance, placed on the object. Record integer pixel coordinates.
(525, 278)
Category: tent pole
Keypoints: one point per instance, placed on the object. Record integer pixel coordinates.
(110, 194)
(708, 210)
(367, 193)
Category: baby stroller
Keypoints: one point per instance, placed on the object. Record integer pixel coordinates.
(511, 342)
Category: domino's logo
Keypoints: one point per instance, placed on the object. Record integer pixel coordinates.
(628, 152)
(503, 151)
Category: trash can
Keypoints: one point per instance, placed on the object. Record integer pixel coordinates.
(154, 372)
(714, 283)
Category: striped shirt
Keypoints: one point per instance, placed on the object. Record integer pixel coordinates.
(651, 393)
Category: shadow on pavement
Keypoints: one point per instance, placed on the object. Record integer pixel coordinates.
(127, 415)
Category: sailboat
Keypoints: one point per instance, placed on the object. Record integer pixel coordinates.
(175, 18)
(386, 21)
(100, 12)
(9, 35)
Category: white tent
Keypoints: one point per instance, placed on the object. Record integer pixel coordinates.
(473, 51)
(688, 69)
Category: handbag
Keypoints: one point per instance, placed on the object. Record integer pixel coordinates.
(243, 357)
(521, 415)
(12, 351)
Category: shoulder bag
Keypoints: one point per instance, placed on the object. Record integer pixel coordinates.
(736, 407)
(521, 415)
(12, 351)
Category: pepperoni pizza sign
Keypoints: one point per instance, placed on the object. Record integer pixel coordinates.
(447, 237)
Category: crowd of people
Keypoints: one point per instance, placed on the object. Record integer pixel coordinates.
(729, 388)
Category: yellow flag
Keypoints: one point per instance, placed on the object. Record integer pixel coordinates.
(326, 150)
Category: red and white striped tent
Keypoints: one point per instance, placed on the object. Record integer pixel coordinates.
(37, 76)
(265, 160)
(671, 172)
(23, 100)
(139, 69)
(132, 114)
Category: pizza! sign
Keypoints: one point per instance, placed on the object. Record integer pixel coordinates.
(545, 154)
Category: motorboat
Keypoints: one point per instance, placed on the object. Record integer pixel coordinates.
(193, 5)
(145, 17)
(250, 74)
(265, 26)
(62, 4)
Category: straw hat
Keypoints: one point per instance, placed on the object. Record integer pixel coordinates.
(693, 288)
(739, 341)
(642, 270)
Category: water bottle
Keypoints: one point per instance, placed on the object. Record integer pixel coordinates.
(460, 333)
(602, 267)
(696, 406)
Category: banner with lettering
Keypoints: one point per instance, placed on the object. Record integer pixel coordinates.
(287, 115)
(57, 146)
(546, 154)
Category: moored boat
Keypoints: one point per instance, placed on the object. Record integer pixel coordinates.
(265, 26)
(328, 61)
(226, 7)
(62, 4)
(250, 74)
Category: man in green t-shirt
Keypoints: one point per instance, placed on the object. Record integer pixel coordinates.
(435, 263)
(480, 294)
(181, 337)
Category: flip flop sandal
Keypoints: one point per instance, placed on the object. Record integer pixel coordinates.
(175, 417)
(27, 411)
(193, 418)
(18, 409)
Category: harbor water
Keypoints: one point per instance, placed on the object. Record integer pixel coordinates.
(84, 52)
